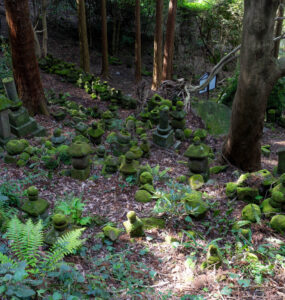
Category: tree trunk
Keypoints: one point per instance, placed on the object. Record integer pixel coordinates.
(259, 71)
(44, 22)
(138, 59)
(169, 41)
(105, 64)
(38, 50)
(278, 29)
(157, 56)
(83, 40)
(25, 65)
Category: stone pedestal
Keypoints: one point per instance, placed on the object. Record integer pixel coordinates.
(20, 121)
(281, 161)
(163, 136)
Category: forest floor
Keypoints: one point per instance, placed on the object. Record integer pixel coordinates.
(150, 267)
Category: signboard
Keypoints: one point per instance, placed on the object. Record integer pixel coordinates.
(211, 86)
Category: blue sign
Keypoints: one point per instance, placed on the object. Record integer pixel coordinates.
(211, 86)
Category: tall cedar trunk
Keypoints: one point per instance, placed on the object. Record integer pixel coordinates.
(278, 29)
(169, 41)
(157, 56)
(105, 65)
(138, 59)
(44, 22)
(83, 40)
(25, 65)
(259, 71)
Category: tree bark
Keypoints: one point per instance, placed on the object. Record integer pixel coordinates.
(169, 41)
(44, 23)
(258, 74)
(157, 56)
(278, 29)
(25, 65)
(83, 40)
(105, 64)
(138, 59)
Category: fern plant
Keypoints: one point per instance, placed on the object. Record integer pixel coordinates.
(27, 240)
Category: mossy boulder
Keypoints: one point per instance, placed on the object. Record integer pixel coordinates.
(251, 212)
(146, 177)
(218, 169)
(194, 205)
(196, 181)
(143, 196)
(201, 133)
(267, 209)
(15, 147)
(278, 223)
(134, 226)
(111, 232)
(247, 194)
(63, 154)
(147, 187)
(188, 133)
(231, 189)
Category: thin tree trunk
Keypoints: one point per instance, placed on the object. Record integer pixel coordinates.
(44, 22)
(118, 37)
(25, 65)
(114, 34)
(38, 51)
(138, 60)
(105, 64)
(157, 57)
(278, 29)
(169, 41)
(258, 74)
(83, 40)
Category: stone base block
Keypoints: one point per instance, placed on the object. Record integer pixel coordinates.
(165, 141)
(206, 175)
(19, 117)
(80, 174)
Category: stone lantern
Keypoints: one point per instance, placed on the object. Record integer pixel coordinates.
(281, 161)
(178, 116)
(197, 154)
(79, 152)
(134, 226)
(129, 165)
(57, 139)
(95, 133)
(5, 130)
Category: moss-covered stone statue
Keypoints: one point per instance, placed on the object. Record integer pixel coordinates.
(110, 165)
(178, 116)
(95, 133)
(33, 205)
(107, 117)
(198, 154)
(194, 205)
(251, 212)
(60, 226)
(79, 153)
(57, 139)
(134, 226)
(129, 165)
(122, 143)
(145, 146)
(100, 151)
(214, 259)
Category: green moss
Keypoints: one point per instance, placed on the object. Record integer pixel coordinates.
(79, 149)
(33, 191)
(111, 233)
(21, 163)
(243, 227)
(194, 205)
(143, 196)
(242, 179)
(247, 194)
(146, 177)
(196, 181)
(5, 103)
(188, 132)
(267, 209)
(63, 154)
(214, 258)
(147, 187)
(218, 169)
(49, 145)
(197, 150)
(50, 162)
(134, 226)
(60, 222)
(137, 151)
(251, 212)
(278, 223)
(15, 147)
(153, 223)
(201, 133)
(24, 156)
(35, 208)
(231, 189)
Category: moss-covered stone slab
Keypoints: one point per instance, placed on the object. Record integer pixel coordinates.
(196, 181)
(153, 223)
(143, 196)
(251, 212)
(278, 223)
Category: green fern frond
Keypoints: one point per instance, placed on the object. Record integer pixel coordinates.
(64, 246)
(4, 259)
(25, 239)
